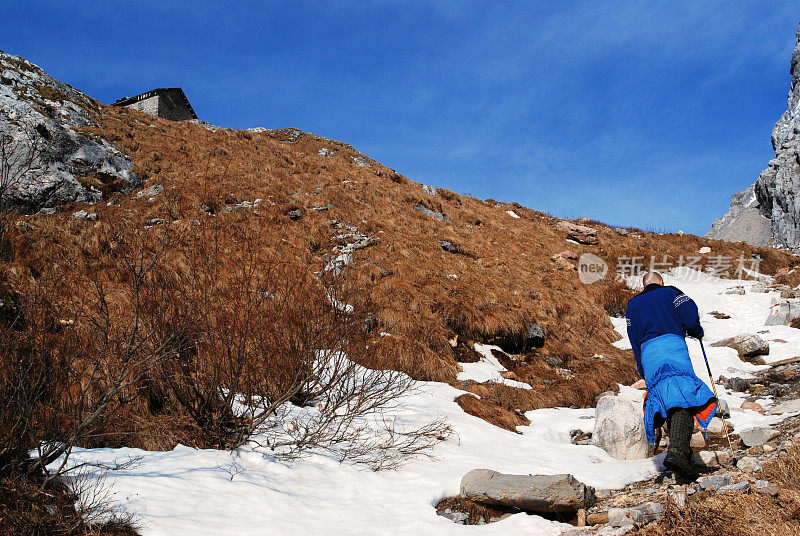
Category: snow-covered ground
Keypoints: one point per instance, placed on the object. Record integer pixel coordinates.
(189, 492)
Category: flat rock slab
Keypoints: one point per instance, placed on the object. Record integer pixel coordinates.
(789, 406)
(531, 493)
(758, 435)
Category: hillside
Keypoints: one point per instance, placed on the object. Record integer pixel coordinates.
(427, 268)
(194, 285)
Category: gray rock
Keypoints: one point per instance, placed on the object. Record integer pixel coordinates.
(737, 290)
(619, 429)
(749, 464)
(83, 215)
(621, 231)
(738, 487)
(322, 208)
(336, 266)
(361, 161)
(40, 119)
(723, 409)
(428, 212)
(150, 192)
(758, 435)
(713, 482)
(430, 190)
(765, 488)
(325, 152)
(531, 493)
(295, 215)
(535, 335)
(459, 518)
(735, 384)
(788, 406)
(746, 344)
(783, 312)
(636, 515)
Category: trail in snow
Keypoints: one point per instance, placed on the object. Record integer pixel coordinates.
(247, 492)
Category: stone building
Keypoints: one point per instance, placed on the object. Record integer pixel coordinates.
(167, 102)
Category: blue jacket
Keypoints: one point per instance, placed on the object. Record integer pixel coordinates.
(658, 319)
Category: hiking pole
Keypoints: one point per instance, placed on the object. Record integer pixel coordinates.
(714, 387)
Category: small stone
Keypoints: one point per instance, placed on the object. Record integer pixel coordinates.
(83, 215)
(599, 518)
(758, 435)
(723, 409)
(295, 215)
(697, 441)
(150, 192)
(749, 464)
(713, 482)
(460, 518)
(430, 190)
(604, 493)
(752, 406)
(325, 152)
(716, 426)
(361, 161)
(765, 488)
(738, 487)
(637, 515)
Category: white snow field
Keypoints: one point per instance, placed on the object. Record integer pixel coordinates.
(247, 492)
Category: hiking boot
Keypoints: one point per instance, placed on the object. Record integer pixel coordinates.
(681, 467)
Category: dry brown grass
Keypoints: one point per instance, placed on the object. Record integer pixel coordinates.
(751, 514)
(416, 291)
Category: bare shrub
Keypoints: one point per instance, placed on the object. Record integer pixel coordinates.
(613, 296)
(273, 357)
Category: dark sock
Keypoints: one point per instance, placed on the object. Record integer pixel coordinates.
(681, 428)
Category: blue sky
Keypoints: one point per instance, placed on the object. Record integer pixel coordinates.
(647, 114)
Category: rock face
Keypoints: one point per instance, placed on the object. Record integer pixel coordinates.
(50, 162)
(619, 429)
(531, 493)
(768, 212)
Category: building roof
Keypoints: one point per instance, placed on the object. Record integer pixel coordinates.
(126, 101)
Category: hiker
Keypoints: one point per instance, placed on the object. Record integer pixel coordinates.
(659, 318)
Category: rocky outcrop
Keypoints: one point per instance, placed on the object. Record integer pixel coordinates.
(49, 159)
(768, 212)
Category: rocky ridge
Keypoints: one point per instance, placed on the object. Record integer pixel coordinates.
(768, 212)
(46, 157)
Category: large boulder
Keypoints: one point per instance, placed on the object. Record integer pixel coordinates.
(531, 493)
(746, 345)
(619, 429)
(50, 157)
(783, 312)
